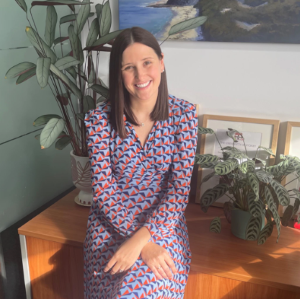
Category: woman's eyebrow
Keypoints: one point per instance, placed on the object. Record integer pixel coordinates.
(142, 60)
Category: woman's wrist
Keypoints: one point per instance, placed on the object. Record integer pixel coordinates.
(142, 236)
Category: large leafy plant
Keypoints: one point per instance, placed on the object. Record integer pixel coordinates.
(72, 76)
(250, 185)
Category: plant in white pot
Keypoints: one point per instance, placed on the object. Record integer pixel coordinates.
(72, 77)
(254, 190)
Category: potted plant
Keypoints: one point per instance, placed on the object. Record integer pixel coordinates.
(72, 77)
(254, 189)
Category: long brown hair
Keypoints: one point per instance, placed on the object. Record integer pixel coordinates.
(118, 94)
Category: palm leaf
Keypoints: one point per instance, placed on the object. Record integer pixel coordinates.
(75, 44)
(106, 38)
(88, 104)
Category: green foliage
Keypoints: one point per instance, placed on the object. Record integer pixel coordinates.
(215, 225)
(253, 228)
(22, 4)
(51, 21)
(19, 69)
(51, 131)
(210, 196)
(105, 21)
(202, 130)
(42, 71)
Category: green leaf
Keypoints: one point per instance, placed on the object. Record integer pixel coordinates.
(80, 115)
(71, 18)
(210, 165)
(75, 90)
(101, 99)
(105, 22)
(231, 149)
(253, 228)
(102, 83)
(254, 206)
(208, 177)
(268, 150)
(264, 176)
(58, 2)
(62, 142)
(88, 104)
(19, 69)
(81, 18)
(232, 134)
(60, 40)
(100, 90)
(225, 167)
(211, 195)
(72, 72)
(51, 21)
(26, 76)
(254, 183)
(99, 8)
(42, 120)
(66, 62)
(206, 158)
(106, 38)
(92, 75)
(59, 74)
(296, 192)
(202, 130)
(93, 33)
(42, 71)
(287, 215)
(75, 44)
(281, 192)
(215, 225)
(187, 25)
(265, 233)
(22, 4)
(39, 44)
(246, 166)
(51, 131)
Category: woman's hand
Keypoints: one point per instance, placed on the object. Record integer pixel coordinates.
(156, 257)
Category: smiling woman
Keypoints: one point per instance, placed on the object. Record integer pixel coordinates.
(136, 244)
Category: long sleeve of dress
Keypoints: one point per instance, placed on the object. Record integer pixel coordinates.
(105, 189)
(172, 206)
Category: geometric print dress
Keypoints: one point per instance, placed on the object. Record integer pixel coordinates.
(135, 186)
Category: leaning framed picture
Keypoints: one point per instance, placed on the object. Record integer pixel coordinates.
(292, 147)
(255, 132)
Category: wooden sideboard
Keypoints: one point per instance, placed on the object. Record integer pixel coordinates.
(223, 266)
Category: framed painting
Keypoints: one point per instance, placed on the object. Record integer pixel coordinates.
(250, 21)
(255, 132)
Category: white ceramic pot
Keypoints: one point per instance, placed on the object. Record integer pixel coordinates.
(81, 176)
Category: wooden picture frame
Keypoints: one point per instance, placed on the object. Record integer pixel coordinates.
(291, 147)
(268, 128)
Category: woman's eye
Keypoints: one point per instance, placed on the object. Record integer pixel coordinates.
(128, 68)
(147, 62)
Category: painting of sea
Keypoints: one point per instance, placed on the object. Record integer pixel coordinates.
(258, 21)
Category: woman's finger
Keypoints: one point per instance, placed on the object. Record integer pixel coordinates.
(165, 268)
(155, 272)
(110, 264)
(170, 263)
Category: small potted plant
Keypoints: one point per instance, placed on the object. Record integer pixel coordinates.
(254, 190)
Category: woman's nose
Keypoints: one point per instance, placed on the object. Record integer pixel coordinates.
(139, 72)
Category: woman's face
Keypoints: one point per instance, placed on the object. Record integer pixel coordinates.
(141, 72)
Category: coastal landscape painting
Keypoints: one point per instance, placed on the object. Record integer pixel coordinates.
(258, 21)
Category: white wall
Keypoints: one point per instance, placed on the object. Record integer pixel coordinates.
(234, 79)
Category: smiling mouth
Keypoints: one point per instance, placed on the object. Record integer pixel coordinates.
(143, 85)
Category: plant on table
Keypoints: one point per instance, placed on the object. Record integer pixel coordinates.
(250, 185)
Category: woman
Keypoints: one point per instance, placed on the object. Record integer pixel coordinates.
(142, 145)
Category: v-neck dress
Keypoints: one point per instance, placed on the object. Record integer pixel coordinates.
(135, 186)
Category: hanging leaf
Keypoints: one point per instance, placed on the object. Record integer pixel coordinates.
(59, 74)
(93, 33)
(105, 22)
(75, 90)
(58, 2)
(227, 207)
(187, 25)
(75, 44)
(71, 18)
(39, 44)
(107, 38)
(279, 169)
(208, 177)
(254, 183)
(24, 77)
(62, 142)
(254, 206)
(81, 18)
(100, 90)
(101, 99)
(51, 21)
(66, 62)
(102, 83)
(210, 165)
(264, 176)
(246, 166)
(63, 99)
(211, 195)
(225, 167)
(42, 120)
(72, 72)
(281, 192)
(253, 228)
(206, 158)
(265, 233)
(51, 131)
(42, 71)
(60, 40)
(22, 4)
(202, 130)
(88, 104)
(99, 8)
(273, 208)
(19, 69)
(215, 225)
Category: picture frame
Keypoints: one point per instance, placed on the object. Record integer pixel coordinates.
(291, 147)
(266, 128)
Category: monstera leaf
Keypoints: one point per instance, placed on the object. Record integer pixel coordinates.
(215, 225)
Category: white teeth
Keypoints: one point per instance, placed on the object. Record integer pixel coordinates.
(143, 85)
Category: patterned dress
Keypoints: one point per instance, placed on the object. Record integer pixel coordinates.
(135, 186)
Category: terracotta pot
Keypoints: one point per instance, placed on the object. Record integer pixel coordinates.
(81, 176)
